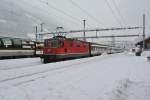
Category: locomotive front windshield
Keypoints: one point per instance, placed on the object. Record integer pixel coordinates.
(54, 44)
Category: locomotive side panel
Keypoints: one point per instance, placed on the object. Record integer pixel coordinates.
(76, 48)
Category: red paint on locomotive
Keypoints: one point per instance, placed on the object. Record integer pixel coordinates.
(59, 48)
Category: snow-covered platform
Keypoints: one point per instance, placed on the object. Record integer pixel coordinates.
(107, 77)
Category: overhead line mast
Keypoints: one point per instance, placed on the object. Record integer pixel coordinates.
(84, 30)
(143, 32)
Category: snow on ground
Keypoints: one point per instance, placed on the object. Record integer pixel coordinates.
(107, 77)
(15, 63)
(146, 53)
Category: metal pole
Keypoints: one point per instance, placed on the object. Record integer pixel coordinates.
(96, 33)
(36, 33)
(84, 30)
(41, 35)
(143, 32)
(41, 27)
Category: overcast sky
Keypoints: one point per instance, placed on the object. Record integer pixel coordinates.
(19, 17)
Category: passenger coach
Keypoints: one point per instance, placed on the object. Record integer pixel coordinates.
(16, 47)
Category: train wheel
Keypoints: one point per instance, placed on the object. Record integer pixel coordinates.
(45, 60)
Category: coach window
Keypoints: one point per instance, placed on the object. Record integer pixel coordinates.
(17, 42)
(0, 43)
(7, 42)
(93, 48)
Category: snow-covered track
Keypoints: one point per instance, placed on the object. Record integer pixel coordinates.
(40, 72)
(27, 74)
(19, 63)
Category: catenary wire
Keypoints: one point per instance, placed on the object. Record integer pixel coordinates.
(118, 11)
(61, 11)
(86, 12)
(113, 13)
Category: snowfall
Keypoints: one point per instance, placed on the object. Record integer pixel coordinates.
(121, 76)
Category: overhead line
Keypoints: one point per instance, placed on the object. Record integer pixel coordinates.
(61, 11)
(86, 12)
(113, 13)
(49, 13)
(117, 9)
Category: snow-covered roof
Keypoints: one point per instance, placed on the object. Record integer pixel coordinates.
(140, 38)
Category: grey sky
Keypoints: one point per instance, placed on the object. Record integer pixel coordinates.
(18, 17)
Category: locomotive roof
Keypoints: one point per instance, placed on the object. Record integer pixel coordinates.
(59, 37)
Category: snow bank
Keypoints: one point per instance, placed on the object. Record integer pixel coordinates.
(107, 77)
(146, 53)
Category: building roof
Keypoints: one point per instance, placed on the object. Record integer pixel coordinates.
(140, 39)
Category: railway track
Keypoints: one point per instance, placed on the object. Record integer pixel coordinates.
(38, 74)
(39, 71)
(19, 67)
(21, 63)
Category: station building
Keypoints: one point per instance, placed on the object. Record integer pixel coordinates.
(147, 43)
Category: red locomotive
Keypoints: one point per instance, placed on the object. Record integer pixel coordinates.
(61, 48)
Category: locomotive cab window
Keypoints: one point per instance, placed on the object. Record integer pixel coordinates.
(46, 43)
(57, 43)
